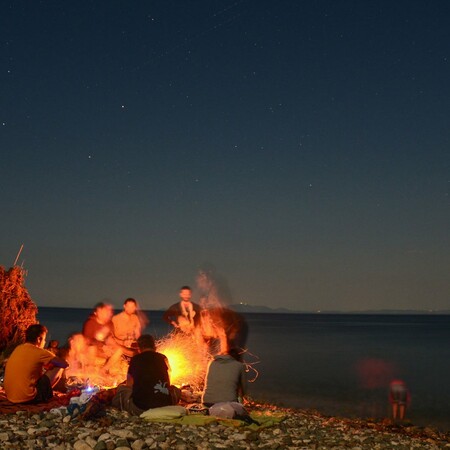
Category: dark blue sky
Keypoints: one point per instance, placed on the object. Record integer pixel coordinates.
(301, 147)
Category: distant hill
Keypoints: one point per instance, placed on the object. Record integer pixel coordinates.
(245, 307)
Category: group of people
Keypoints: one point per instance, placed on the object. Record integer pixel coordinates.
(32, 371)
(112, 336)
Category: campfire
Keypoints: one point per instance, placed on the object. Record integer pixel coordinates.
(187, 354)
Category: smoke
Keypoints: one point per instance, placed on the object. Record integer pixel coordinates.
(213, 287)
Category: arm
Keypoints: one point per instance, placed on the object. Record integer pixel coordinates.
(59, 362)
(89, 330)
(130, 380)
(242, 387)
(171, 316)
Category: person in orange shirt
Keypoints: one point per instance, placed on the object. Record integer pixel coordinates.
(31, 371)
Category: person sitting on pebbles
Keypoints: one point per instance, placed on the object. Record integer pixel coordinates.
(31, 371)
(225, 379)
(225, 387)
(98, 333)
(127, 326)
(148, 383)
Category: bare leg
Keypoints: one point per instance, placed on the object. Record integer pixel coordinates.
(54, 375)
(402, 409)
(113, 360)
(394, 410)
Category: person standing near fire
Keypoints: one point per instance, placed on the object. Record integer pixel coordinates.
(185, 314)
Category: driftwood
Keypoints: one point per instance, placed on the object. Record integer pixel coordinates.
(17, 309)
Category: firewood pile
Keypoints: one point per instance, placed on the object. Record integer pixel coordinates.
(17, 309)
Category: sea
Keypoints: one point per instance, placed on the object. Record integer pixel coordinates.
(337, 364)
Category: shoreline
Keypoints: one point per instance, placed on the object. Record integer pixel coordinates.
(299, 429)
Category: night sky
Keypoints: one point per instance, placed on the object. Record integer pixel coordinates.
(302, 148)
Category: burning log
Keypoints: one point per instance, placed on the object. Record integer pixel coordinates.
(17, 309)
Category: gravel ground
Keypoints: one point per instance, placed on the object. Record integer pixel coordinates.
(300, 430)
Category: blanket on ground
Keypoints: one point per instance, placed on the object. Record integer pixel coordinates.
(7, 407)
(263, 419)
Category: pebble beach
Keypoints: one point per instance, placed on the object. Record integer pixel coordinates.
(299, 429)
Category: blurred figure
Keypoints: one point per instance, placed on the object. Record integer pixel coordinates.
(213, 287)
(184, 315)
(127, 326)
(374, 375)
(98, 332)
(53, 347)
(399, 398)
(223, 329)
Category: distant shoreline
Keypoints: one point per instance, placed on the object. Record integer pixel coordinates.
(266, 310)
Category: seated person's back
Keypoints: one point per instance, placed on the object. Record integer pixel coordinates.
(149, 370)
(225, 379)
(148, 382)
(24, 378)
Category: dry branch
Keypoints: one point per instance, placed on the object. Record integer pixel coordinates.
(17, 309)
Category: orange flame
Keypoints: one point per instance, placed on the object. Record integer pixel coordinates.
(188, 357)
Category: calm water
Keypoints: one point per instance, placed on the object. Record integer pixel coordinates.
(336, 364)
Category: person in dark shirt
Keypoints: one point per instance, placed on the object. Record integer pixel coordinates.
(148, 382)
(184, 315)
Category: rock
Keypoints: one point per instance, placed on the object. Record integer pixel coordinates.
(122, 443)
(4, 437)
(160, 438)
(100, 445)
(123, 434)
(239, 436)
(81, 445)
(104, 437)
(138, 444)
(20, 433)
(47, 423)
(110, 445)
(91, 441)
